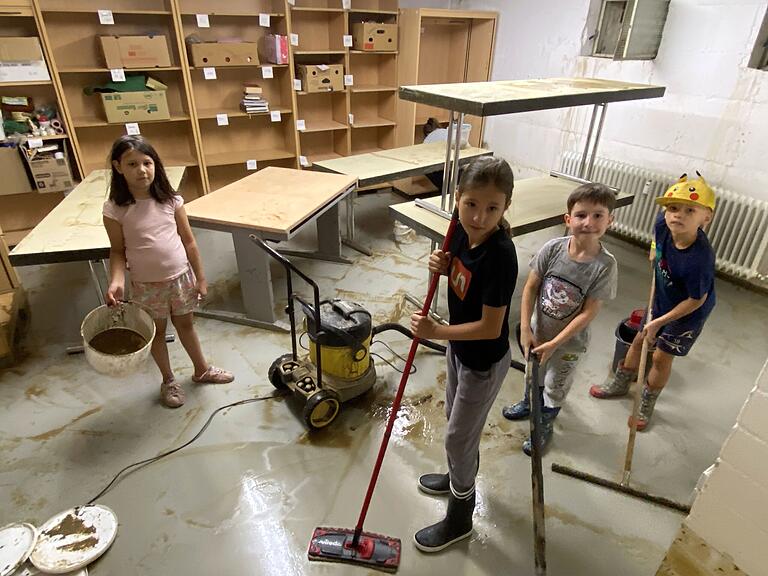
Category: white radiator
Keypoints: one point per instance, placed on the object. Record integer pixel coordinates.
(738, 232)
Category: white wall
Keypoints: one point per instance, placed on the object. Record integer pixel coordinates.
(713, 118)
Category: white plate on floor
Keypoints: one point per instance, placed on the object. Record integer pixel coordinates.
(73, 539)
(29, 570)
(16, 544)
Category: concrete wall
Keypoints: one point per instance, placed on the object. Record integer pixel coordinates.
(714, 117)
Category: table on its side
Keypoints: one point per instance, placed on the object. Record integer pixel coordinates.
(273, 204)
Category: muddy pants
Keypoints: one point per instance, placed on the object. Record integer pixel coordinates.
(558, 377)
(469, 395)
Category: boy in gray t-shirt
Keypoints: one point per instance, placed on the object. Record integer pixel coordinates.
(569, 279)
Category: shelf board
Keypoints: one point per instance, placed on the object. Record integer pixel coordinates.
(323, 156)
(360, 11)
(30, 83)
(370, 150)
(375, 53)
(313, 9)
(317, 52)
(372, 122)
(238, 14)
(93, 70)
(242, 66)
(302, 93)
(241, 156)
(98, 122)
(210, 113)
(323, 126)
(372, 88)
(116, 11)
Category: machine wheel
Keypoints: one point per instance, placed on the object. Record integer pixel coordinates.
(274, 371)
(321, 409)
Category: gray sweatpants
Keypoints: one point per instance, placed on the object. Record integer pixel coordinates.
(469, 395)
(558, 377)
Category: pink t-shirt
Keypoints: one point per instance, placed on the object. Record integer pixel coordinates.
(153, 246)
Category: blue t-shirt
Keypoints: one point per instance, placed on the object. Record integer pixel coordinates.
(683, 274)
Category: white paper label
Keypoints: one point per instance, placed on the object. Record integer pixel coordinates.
(351, 119)
(346, 4)
(303, 161)
(222, 119)
(323, 67)
(203, 21)
(292, 2)
(347, 40)
(294, 39)
(250, 164)
(275, 116)
(34, 142)
(106, 17)
(349, 80)
(132, 129)
(301, 125)
(264, 20)
(209, 73)
(118, 75)
(297, 84)
(267, 72)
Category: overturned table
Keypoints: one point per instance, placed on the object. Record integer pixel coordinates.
(273, 204)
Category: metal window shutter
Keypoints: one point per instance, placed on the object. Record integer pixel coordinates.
(641, 32)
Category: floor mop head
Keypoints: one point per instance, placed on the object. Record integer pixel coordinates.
(335, 545)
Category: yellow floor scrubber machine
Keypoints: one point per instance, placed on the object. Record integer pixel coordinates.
(339, 366)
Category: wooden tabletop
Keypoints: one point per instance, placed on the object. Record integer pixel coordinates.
(377, 167)
(537, 203)
(511, 96)
(74, 230)
(273, 200)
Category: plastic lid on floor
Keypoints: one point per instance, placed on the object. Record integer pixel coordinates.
(73, 539)
(28, 569)
(16, 544)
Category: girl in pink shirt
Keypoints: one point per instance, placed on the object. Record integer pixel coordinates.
(148, 229)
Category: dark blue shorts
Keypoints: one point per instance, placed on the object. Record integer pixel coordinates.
(677, 338)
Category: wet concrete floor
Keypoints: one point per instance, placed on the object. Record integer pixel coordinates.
(245, 497)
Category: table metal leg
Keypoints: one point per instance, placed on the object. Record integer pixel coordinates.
(588, 160)
(328, 239)
(349, 240)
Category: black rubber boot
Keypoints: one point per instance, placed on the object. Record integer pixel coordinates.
(456, 526)
(548, 416)
(435, 484)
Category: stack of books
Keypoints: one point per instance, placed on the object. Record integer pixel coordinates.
(252, 102)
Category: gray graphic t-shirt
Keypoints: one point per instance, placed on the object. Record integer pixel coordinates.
(565, 284)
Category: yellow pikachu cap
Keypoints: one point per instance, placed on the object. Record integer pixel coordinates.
(689, 192)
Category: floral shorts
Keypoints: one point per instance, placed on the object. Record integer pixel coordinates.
(174, 297)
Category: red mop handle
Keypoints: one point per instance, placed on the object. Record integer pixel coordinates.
(399, 396)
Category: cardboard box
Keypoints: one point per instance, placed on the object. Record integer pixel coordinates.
(135, 51)
(14, 179)
(321, 77)
(374, 36)
(273, 48)
(122, 107)
(212, 54)
(9, 281)
(21, 60)
(51, 174)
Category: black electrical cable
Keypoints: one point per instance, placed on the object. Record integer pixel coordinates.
(148, 461)
(395, 354)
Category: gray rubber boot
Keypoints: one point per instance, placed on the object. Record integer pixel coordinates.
(647, 404)
(616, 385)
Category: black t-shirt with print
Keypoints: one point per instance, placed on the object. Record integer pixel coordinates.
(483, 275)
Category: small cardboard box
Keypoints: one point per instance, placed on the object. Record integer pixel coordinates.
(51, 174)
(135, 51)
(205, 54)
(121, 107)
(14, 179)
(273, 48)
(21, 60)
(374, 36)
(321, 77)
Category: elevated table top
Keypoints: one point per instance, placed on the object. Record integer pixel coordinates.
(511, 96)
(537, 203)
(377, 167)
(74, 230)
(276, 201)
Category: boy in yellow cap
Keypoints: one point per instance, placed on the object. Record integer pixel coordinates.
(684, 263)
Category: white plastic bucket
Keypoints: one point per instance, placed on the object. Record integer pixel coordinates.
(124, 315)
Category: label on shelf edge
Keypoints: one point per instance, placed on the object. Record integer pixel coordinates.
(275, 116)
(351, 119)
(267, 72)
(264, 20)
(209, 73)
(347, 40)
(303, 161)
(106, 17)
(301, 125)
(297, 84)
(346, 4)
(294, 39)
(132, 129)
(118, 74)
(203, 21)
(349, 80)
(250, 165)
(222, 119)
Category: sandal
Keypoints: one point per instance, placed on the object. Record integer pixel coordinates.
(172, 394)
(214, 376)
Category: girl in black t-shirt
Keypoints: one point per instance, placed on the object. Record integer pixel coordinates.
(481, 266)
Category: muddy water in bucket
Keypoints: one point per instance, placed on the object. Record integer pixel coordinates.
(118, 341)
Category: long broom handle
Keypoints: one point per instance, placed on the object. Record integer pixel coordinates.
(399, 396)
(533, 379)
(638, 388)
